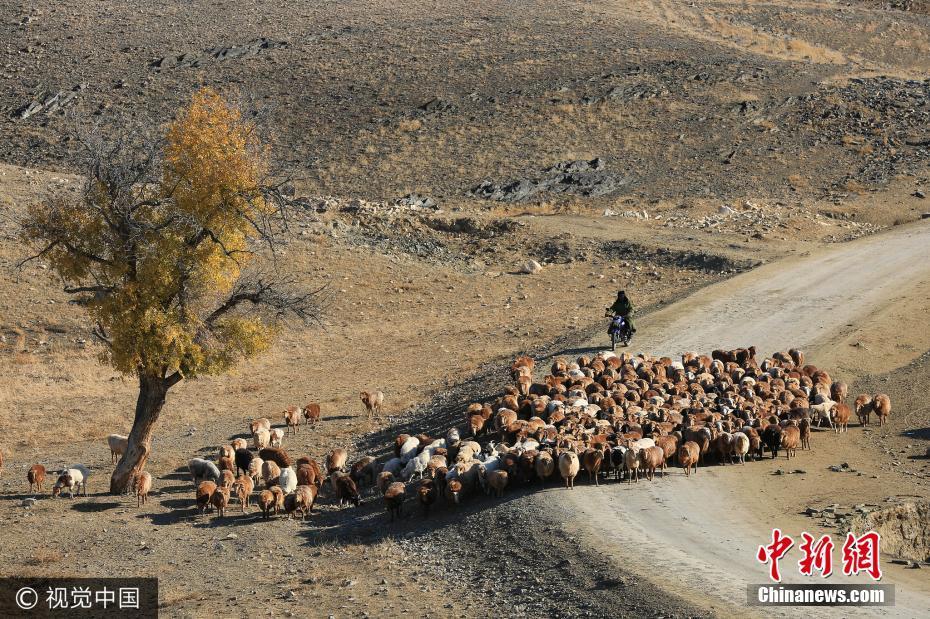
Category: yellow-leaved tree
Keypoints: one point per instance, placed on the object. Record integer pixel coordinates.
(170, 249)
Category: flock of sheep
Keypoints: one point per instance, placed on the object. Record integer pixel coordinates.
(607, 415)
(624, 416)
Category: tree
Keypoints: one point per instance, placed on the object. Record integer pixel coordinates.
(171, 249)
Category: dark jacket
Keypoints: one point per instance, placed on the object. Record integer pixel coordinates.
(622, 307)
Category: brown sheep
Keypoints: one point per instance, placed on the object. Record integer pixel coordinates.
(270, 473)
(863, 407)
(266, 503)
(311, 413)
(839, 391)
(426, 495)
(346, 490)
(276, 455)
(306, 476)
(36, 477)
(220, 500)
(804, 426)
(292, 419)
(497, 480)
(454, 490)
(243, 489)
(688, 456)
(840, 419)
(373, 401)
(652, 458)
(143, 485)
(278, 498)
(394, 499)
(790, 440)
(385, 479)
(227, 478)
(336, 460)
(205, 492)
(591, 461)
(365, 469)
(226, 463)
(881, 404)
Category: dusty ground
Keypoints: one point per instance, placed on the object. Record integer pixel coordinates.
(729, 134)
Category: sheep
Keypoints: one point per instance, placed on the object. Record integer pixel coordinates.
(227, 478)
(346, 490)
(863, 407)
(205, 492)
(591, 461)
(258, 424)
(840, 419)
(255, 468)
(790, 440)
(305, 497)
(71, 478)
(569, 467)
(336, 460)
(881, 404)
(306, 475)
(276, 437)
(409, 449)
(311, 413)
(227, 451)
(652, 458)
(771, 437)
(292, 419)
(393, 466)
(225, 464)
(385, 479)
(266, 502)
(415, 467)
(364, 469)
(739, 446)
(276, 455)
(243, 490)
(453, 490)
(143, 484)
(278, 498)
(36, 477)
(220, 500)
(544, 465)
(839, 391)
(118, 446)
(394, 499)
(373, 401)
(203, 470)
(243, 459)
(688, 456)
(287, 480)
(631, 463)
(426, 495)
(270, 473)
(239, 443)
(301, 501)
(498, 481)
(262, 438)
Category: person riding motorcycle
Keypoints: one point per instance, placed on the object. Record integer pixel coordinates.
(623, 307)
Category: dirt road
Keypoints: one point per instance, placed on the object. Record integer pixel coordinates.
(702, 533)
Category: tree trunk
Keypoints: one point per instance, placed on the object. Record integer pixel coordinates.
(152, 391)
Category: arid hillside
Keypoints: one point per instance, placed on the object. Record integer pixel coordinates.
(660, 146)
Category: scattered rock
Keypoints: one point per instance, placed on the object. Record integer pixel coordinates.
(28, 503)
(216, 54)
(530, 267)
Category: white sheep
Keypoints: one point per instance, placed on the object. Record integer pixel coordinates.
(262, 438)
(739, 446)
(71, 478)
(416, 466)
(276, 437)
(452, 435)
(118, 446)
(203, 470)
(393, 466)
(409, 449)
(288, 480)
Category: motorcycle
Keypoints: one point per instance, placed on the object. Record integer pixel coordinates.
(619, 330)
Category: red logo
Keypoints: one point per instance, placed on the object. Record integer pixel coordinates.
(773, 552)
(861, 555)
(817, 555)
